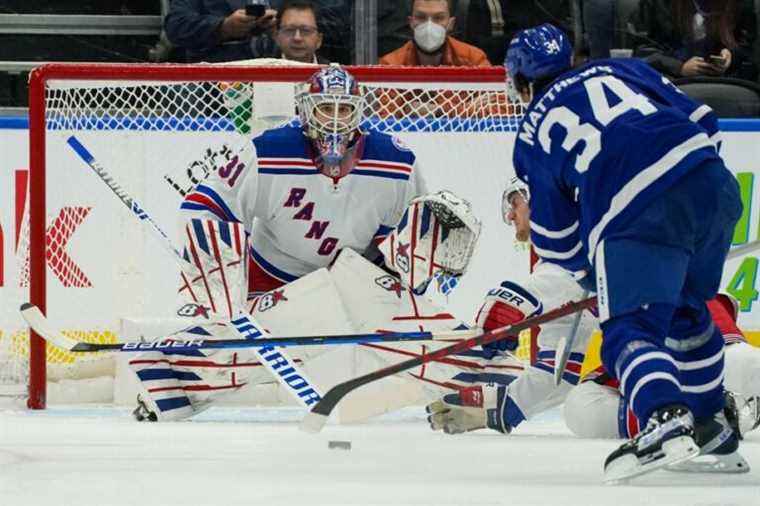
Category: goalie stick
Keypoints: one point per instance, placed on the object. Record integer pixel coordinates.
(315, 420)
(40, 324)
(277, 362)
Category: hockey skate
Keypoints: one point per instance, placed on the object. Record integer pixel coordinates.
(718, 440)
(667, 439)
(748, 412)
(142, 413)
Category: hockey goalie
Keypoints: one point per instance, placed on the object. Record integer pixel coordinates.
(291, 231)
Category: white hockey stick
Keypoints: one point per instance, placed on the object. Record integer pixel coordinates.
(282, 367)
(565, 346)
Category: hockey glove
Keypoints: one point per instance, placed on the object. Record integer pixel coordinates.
(506, 305)
(472, 408)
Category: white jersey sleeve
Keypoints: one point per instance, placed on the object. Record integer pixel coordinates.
(230, 193)
(535, 391)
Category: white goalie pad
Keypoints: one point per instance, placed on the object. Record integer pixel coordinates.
(377, 301)
(435, 237)
(214, 282)
(308, 306)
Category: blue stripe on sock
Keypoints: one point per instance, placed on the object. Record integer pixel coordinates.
(485, 377)
(511, 413)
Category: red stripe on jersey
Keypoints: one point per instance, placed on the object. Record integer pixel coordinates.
(385, 166)
(259, 280)
(205, 200)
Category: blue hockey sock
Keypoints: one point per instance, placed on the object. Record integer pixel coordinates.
(632, 352)
(699, 357)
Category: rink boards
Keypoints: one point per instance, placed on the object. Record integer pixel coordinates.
(126, 272)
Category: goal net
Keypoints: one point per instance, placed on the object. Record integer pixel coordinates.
(97, 273)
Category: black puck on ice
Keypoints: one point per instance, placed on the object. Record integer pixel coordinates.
(339, 445)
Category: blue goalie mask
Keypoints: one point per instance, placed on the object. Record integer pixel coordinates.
(536, 53)
(331, 108)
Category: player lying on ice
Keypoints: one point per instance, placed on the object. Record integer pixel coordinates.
(323, 193)
(650, 227)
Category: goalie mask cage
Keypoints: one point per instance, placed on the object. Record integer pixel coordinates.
(87, 263)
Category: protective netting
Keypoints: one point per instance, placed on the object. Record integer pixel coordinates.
(160, 138)
(246, 107)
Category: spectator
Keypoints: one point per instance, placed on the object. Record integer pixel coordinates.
(297, 31)
(218, 30)
(431, 22)
(393, 25)
(685, 38)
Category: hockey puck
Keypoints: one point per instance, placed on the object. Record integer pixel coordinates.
(339, 445)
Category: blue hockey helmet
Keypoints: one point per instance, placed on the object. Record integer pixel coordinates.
(535, 53)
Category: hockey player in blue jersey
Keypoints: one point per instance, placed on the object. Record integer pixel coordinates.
(615, 154)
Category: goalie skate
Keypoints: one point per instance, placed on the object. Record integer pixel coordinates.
(667, 439)
(142, 413)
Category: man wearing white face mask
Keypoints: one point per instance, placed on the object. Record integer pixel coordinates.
(431, 22)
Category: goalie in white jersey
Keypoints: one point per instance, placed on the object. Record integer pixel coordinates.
(283, 208)
(315, 186)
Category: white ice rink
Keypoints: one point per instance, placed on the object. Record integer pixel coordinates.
(90, 456)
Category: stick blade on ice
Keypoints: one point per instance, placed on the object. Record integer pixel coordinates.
(313, 422)
(37, 321)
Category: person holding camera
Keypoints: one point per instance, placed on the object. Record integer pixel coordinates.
(221, 30)
(687, 38)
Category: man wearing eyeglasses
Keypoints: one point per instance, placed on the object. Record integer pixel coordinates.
(297, 32)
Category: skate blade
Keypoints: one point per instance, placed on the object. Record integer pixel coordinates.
(673, 451)
(733, 463)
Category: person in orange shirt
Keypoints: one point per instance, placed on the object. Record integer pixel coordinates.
(431, 23)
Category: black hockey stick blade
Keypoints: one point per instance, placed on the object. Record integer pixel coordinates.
(317, 417)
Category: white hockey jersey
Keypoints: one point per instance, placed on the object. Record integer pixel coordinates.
(298, 218)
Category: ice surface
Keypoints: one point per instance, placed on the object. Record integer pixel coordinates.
(228, 456)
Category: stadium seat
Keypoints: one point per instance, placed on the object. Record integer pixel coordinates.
(729, 98)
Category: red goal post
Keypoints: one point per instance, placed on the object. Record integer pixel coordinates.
(132, 107)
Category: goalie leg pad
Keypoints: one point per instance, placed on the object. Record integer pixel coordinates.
(178, 386)
(213, 284)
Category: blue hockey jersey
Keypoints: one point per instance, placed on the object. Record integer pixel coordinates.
(597, 145)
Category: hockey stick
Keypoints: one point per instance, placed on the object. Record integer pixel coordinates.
(282, 367)
(315, 420)
(743, 249)
(42, 326)
(565, 346)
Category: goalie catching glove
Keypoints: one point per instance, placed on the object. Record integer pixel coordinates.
(434, 239)
(472, 408)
